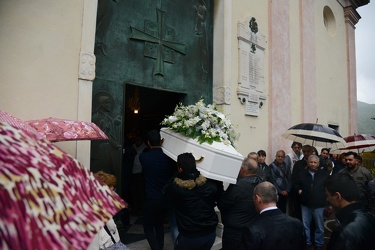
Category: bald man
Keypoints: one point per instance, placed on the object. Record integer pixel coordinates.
(236, 204)
(272, 229)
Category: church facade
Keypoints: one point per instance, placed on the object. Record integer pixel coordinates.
(267, 65)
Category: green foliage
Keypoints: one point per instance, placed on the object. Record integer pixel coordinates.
(366, 111)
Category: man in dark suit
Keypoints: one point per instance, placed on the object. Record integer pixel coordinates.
(272, 229)
(158, 168)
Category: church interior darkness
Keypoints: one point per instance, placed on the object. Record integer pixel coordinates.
(152, 105)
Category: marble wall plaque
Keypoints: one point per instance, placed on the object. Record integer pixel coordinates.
(251, 53)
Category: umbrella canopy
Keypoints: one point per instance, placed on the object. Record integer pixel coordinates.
(55, 129)
(48, 199)
(316, 135)
(361, 143)
(18, 123)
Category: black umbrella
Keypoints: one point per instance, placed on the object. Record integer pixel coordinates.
(316, 135)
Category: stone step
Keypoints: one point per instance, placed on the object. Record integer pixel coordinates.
(168, 244)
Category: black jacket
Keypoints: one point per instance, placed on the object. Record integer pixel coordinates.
(274, 230)
(264, 171)
(194, 198)
(355, 230)
(236, 204)
(298, 167)
(313, 192)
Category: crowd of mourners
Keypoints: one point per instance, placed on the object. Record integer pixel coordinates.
(283, 205)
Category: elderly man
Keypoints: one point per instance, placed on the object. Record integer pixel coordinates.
(300, 166)
(356, 227)
(272, 229)
(313, 198)
(282, 179)
(236, 204)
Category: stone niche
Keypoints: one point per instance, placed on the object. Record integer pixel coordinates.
(251, 53)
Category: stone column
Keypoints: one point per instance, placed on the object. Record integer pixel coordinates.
(86, 74)
(351, 19)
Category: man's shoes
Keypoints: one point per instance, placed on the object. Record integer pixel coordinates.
(308, 247)
(318, 248)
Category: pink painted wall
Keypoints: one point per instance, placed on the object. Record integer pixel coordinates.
(279, 74)
(308, 60)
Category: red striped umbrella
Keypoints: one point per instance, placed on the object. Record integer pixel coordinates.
(361, 143)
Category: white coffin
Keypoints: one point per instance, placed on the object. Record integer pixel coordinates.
(217, 161)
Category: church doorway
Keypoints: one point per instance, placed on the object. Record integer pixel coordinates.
(145, 108)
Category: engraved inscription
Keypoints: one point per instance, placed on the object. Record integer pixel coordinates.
(251, 79)
(252, 108)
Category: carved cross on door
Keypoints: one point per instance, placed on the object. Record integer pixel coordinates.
(159, 42)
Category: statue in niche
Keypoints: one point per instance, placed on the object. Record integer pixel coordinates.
(103, 19)
(200, 23)
(103, 153)
(200, 28)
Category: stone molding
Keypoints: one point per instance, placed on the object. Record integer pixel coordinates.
(351, 16)
(87, 66)
(221, 95)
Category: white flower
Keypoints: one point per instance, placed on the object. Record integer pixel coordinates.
(202, 122)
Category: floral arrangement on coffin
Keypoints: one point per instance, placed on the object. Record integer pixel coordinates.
(202, 122)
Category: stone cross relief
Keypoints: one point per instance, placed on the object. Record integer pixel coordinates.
(159, 41)
(251, 51)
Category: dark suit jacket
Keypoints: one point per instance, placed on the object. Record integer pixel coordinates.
(274, 230)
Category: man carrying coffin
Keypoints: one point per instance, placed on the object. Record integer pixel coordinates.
(194, 198)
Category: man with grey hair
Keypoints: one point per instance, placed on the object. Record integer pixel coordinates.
(236, 204)
(310, 187)
(282, 179)
(286, 233)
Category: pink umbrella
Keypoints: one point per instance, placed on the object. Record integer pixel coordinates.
(18, 123)
(48, 199)
(55, 129)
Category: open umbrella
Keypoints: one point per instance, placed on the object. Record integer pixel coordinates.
(316, 135)
(48, 199)
(357, 142)
(18, 123)
(55, 129)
